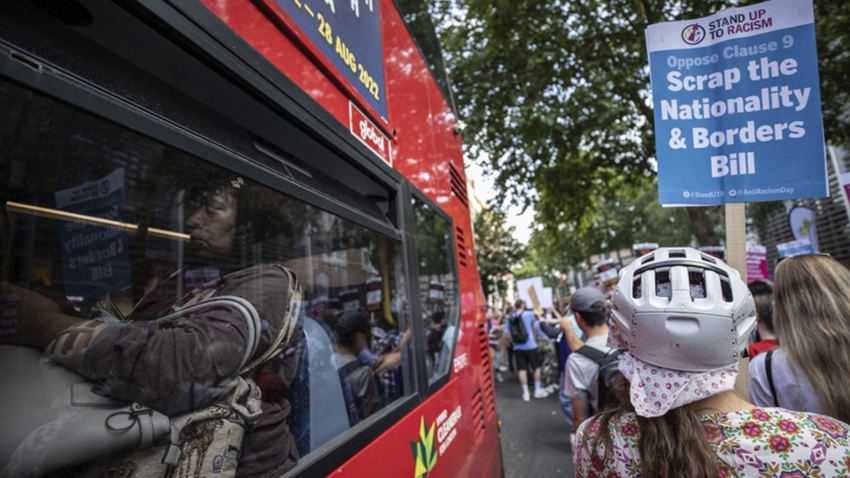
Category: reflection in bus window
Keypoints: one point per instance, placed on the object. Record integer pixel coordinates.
(146, 287)
(437, 285)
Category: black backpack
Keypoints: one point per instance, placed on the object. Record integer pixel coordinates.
(608, 372)
(518, 333)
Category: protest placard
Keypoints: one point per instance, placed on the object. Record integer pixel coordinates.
(96, 257)
(803, 224)
(757, 263)
(546, 299)
(643, 248)
(715, 251)
(530, 291)
(795, 248)
(608, 274)
(737, 106)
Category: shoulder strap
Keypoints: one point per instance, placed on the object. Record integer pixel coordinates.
(769, 370)
(596, 355)
(350, 367)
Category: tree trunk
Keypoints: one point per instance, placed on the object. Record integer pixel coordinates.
(701, 225)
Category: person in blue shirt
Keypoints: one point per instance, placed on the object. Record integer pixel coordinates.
(526, 353)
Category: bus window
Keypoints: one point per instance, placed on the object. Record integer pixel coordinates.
(159, 285)
(437, 285)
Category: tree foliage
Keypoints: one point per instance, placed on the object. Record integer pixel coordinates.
(633, 216)
(554, 95)
(497, 250)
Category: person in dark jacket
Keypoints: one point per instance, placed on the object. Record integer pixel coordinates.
(181, 365)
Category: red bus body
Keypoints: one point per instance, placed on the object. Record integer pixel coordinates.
(424, 145)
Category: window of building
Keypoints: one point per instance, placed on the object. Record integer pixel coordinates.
(157, 278)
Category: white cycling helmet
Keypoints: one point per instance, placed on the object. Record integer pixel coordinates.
(681, 309)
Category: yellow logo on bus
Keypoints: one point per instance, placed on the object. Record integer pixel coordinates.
(424, 451)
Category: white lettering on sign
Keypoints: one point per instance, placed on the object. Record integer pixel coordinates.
(368, 133)
(460, 363)
(447, 428)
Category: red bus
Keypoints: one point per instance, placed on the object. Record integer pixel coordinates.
(296, 162)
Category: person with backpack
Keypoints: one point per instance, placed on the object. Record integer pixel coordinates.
(523, 328)
(684, 318)
(581, 377)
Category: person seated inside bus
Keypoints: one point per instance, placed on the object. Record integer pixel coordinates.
(185, 362)
(434, 338)
(354, 337)
(386, 358)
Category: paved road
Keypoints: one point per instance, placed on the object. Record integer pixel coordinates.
(535, 436)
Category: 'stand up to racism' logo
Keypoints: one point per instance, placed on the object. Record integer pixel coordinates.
(693, 34)
(424, 451)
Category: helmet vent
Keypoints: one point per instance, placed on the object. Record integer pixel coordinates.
(676, 254)
(696, 279)
(726, 289)
(708, 258)
(648, 258)
(637, 293)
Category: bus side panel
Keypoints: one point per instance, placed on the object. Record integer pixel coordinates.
(392, 453)
(431, 174)
(425, 144)
(255, 27)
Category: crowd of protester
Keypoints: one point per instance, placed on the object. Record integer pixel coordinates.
(648, 377)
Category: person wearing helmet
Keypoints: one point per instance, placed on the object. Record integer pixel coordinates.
(683, 319)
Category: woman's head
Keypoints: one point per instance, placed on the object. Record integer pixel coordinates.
(224, 208)
(812, 320)
(684, 318)
(683, 310)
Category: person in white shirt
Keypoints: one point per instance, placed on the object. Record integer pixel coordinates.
(580, 376)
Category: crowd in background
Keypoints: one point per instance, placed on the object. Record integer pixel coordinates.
(651, 384)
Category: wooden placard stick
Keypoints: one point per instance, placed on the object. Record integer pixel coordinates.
(736, 256)
(533, 295)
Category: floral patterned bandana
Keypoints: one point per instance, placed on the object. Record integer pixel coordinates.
(655, 390)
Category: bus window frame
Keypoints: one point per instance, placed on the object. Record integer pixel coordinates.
(92, 98)
(433, 384)
(83, 94)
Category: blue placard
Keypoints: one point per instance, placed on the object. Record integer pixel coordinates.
(95, 256)
(348, 32)
(737, 106)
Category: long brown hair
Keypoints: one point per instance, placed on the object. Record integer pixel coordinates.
(670, 446)
(812, 319)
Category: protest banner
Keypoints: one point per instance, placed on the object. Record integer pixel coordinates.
(608, 274)
(350, 300)
(436, 292)
(715, 251)
(547, 298)
(804, 225)
(373, 293)
(737, 106)
(757, 264)
(530, 291)
(96, 258)
(795, 248)
(643, 248)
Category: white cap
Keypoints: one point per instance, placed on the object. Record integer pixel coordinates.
(681, 309)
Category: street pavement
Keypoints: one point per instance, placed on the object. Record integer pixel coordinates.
(535, 435)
